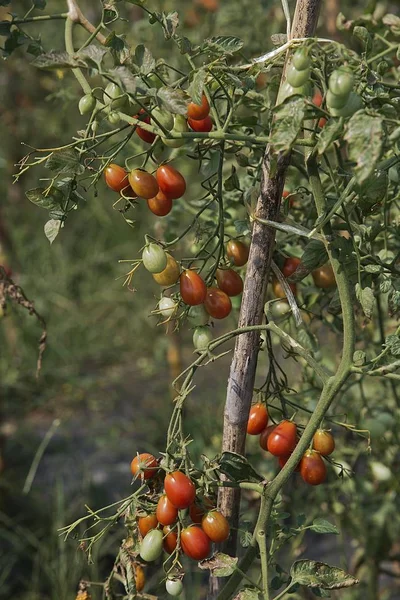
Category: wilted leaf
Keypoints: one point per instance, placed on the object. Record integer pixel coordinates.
(329, 134)
(288, 123)
(65, 161)
(126, 78)
(220, 565)
(57, 60)
(49, 201)
(364, 136)
(92, 53)
(316, 574)
(323, 526)
(144, 60)
(393, 343)
(366, 298)
(51, 229)
(174, 101)
(170, 22)
(237, 468)
(197, 86)
(314, 256)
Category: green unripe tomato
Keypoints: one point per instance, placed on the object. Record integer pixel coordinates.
(151, 546)
(113, 118)
(333, 101)
(198, 315)
(95, 126)
(353, 104)
(154, 258)
(286, 90)
(278, 309)
(180, 125)
(167, 306)
(173, 143)
(297, 78)
(87, 104)
(202, 336)
(163, 117)
(341, 82)
(174, 587)
(301, 59)
(394, 175)
(113, 95)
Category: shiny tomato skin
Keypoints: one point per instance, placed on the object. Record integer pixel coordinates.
(145, 465)
(171, 273)
(282, 460)
(170, 539)
(229, 281)
(238, 252)
(264, 435)
(160, 205)
(195, 543)
(290, 265)
(144, 184)
(324, 277)
(146, 136)
(323, 442)
(258, 419)
(278, 290)
(192, 287)
(283, 439)
(217, 303)
(312, 468)
(171, 182)
(203, 125)
(180, 489)
(147, 523)
(116, 177)
(198, 112)
(215, 526)
(151, 545)
(166, 512)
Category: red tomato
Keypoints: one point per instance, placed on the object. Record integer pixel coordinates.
(282, 460)
(192, 287)
(217, 303)
(144, 184)
(229, 281)
(171, 182)
(238, 252)
(312, 468)
(322, 122)
(203, 125)
(198, 112)
(144, 465)
(160, 205)
(197, 510)
(290, 265)
(215, 526)
(146, 136)
(323, 442)
(116, 177)
(283, 439)
(180, 489)
(258, 419)
(264, 435)
(317, 98)
(166, 512)
(147, 523)
(195, 543)
(170, 539)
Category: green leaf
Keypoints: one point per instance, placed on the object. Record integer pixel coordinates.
(287, 124)
(373, 269)
(323, 526)
(359, 358)
(93, 54)
(237, 468)
(115, 42)
(53, 199)
(393, 342)
(197, 86)
(170, 23)
(127, 80)
(232, 182)
(174, 101)
(210, 167)
(183, 44)
(316, 574)
(314, 255)
(220, 565)
(144, 60)
(16, 39)
(366, 298)
(224, 44)
(57, 60)
(248, 594)
(51, 229)
(320, 593)
(65, 161)
(364, 136)
(332, 131)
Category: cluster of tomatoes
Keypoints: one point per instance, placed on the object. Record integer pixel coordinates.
(323, 277)
(281, 439)
(180, 521)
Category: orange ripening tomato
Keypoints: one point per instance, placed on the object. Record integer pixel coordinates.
(195, 543)
(229, 281)
(317, 98)
(147, 523)
(144, 465)
(238, 252)
(201, 125)
(283, 439)
(192, 287)
(217, 303)
(144, 184)
(170, 539)
(323, 442)
(264, 435)
(170, 181)
(258, 419)
(322, 122)
(290, 265)
(215, 526)
(170, 275)
(116, 177)
(312, 468)
(160, 205)
(146, 136)
(180, 489)
(197, 112)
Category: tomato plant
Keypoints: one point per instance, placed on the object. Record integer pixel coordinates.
(202, 336)
(258, 419)
(324, 277)
(195, 543)
(174, 587)
(140, 578)
(180, 490)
